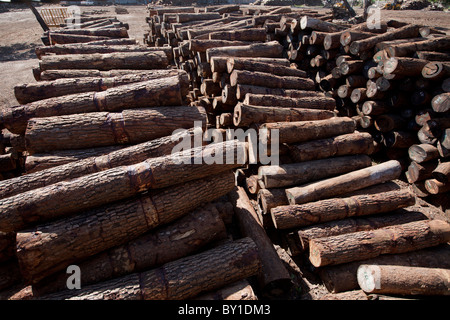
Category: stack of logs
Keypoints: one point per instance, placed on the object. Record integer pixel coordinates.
(336, 96)
(103, 189)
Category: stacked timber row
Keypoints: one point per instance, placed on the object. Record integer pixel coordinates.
(102, 187)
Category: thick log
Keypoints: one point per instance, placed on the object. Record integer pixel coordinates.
(408, 31)
(251, 34)
(103, 187)
(375, 108)
(442, 172)
(169, 91)
(434, 186)
(245, 115)
(389, 122)
(432, 130)
(303, 172)
(271, 198)
(97, 129)
(301, 131)
(256, 78)
(348, 36)
(343, 277)
(423, 152)
(351, 67)
(286, 217)
(273, 276)
(111, 33)
(420, 171)
(201, 45)
(348, 225)
(436, 70)
(251, 65)
(181, 238)
(103, 159)
(30, 92)
(409, 48)
(80, 236)
(342, 184)
(219, 64)
(242, 90)
(270, 49)
(81, 73)
(295, 99)
(404, 66)
(206, 271)
(60, 38)
(369, 244)
(106, 61)
(441, 102)
(307, 22)
(432, 56)
(186, 17)
(402, 280)
(340, 145)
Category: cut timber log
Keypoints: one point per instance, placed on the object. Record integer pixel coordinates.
(271, 198)
(245, 115)
(408, 31)
(80, 236)
(103, 187)
(286, 217)
(369, 244)
(300, 173)
(97, 129)
(256, 78)
(252, 65)
(81, 73)
(345, 183)
(251, 34)
(442, 172)
(296, 99)
(60, 38)
(169, 91)
(206, 271)
(352, 143)
(219, 64)
(436, 70)
(201, 45)
(319, 25)
(106, 61)
(30, 92)
(441, 102)
(404, 66)
(186, 17)
(348, 225)
(106, 160)
(423, 152)
(274, 275)
(409, 48)
(401, 280)
(111, 33)
(434, 186)
(270, 49)
(178, 239)
(301, 131)
(420, 171)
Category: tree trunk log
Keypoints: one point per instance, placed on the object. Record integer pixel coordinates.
(423, 152)
(30, 92)
(406, 49)
(178, 239)
(434, 186)
(442, 172)
(296, 99)
(273, 276)
(310, 130)
(60, 38)
(271, 198)
(441, 102)
(201, 45)
(114, 184)
(348, 182)
(404, 66)
(245, 115)
(352, 143)
(252, 34)
(95, 163)
(303, 172)
(159, 92)
(66, 49)
(256, 78)
(270, 49)
(402, 280)
(251, 65)
(369, 244)
(319, 25)
(97, 129)
(111, 33)
(241, 290)
(106, 61)
(41, 254)
(436, 70)
(186, 17)
(206, 271)
(81, 73)
(286, 217)
(420, 171)
(242, 90)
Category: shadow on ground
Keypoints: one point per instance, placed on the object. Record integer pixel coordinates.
(18, 51)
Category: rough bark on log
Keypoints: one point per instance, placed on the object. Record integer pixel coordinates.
(296, 99)
(420, 171)
(111, 33)
(178, 239)
(270, 49)
(273, 276)
(169, 91)
(40, 253)
(106, 61)
(319, 25)
(245, 115)
(201, 45)
(286, 217)
(271, 198)
(301, 131)
(59, 38)
(340, 145)
(348, 182)
(103, 187)
(111, 159)
(406, 49)
(206, 271)
(251, 34)
(251, 65)
(442, 172)
(402, 280)
(369, 244)
(404, 66)
(186, 17)
(81, 73)
(97, 129)
(29, 92)
(256, 78)
(308, 171)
